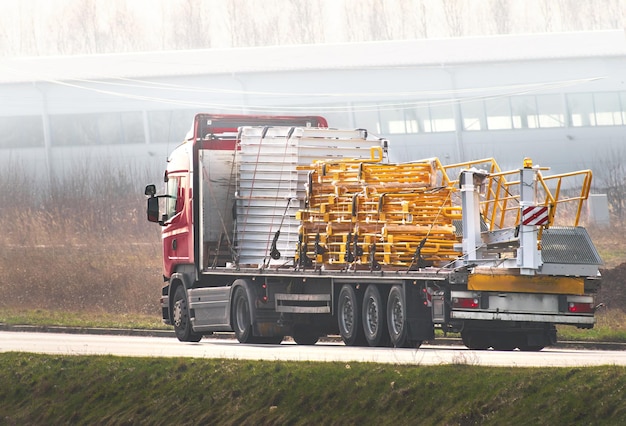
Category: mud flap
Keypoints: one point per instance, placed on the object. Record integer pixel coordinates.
(419, 317)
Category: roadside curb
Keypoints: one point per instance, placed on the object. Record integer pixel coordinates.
(447, 341)
(86, 330)
(565, 344)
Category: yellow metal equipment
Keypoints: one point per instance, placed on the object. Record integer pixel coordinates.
(369, 214)
(374, 214)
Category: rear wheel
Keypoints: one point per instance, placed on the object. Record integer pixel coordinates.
(267, 340)
(349, 318)
(180, 318)
(530, 348)
(303, 336)
(476, 340)
(396, 318)
(505, 341)
(374, 319)
(533, 342)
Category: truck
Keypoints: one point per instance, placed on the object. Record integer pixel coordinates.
(279, 226)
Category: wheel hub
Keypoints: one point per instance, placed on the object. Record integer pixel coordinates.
(396, 315)
(348, 314)
(178, 313)
(372, 316)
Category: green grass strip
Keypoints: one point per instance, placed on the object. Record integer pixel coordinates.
(107, 390)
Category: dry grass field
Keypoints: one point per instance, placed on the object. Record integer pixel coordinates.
(82, 245)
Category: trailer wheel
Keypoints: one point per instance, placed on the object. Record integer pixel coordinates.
(267, 340)
(530, 343)
(374, 318)
(180, 318)
(303, 336)
(530, 348)
(349, 318)
(505, 341)
(396, 318)
(242, 322)
(476, 340)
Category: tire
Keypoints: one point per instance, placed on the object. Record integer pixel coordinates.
(504, 346)
(349, 318)
(475, 340)
(242, 320)
(536, 344)
(396, 318)
(267, 340)
(304, 337)
(528, 348)
(505, 342)
(180, 317)
(374, 317)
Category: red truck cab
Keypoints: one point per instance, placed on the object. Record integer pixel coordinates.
(215, 132)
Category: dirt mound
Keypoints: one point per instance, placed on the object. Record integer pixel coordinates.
(613, 291)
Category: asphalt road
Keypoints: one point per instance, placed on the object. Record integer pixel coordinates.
(150, 346)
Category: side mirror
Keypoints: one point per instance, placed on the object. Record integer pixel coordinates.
(150, 190)
(153, 209)
(153, 204)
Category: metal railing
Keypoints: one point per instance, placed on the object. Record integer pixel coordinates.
(563, 194)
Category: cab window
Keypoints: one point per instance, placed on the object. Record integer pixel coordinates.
(174, 200)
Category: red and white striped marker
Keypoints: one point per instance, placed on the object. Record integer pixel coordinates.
(534, 215)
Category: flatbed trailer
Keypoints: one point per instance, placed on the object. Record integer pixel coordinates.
(290, 229)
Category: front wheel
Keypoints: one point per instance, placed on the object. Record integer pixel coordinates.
(180, 317)
(242, 320)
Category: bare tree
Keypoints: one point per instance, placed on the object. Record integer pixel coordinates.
(274, 27)
(454, 12)
(83, 21)
(18, 35)
(547, 8)
(303, 23)
(578, 16)
(375, 20)
(190, 26)
(612, 180)
(4, 37)
(96, 26)
(355, 20)
(412, 19)
(423, 19)
(92, 26)
(381, 20)
(407, 19)
(125, 30)
(246, 23)
(500, 11)
(616, 13)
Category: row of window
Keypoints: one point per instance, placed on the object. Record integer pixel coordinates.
(516, 112)
(96, 129)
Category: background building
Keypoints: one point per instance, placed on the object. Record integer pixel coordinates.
(559, 98)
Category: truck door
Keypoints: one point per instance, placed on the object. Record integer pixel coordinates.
(176, 232)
